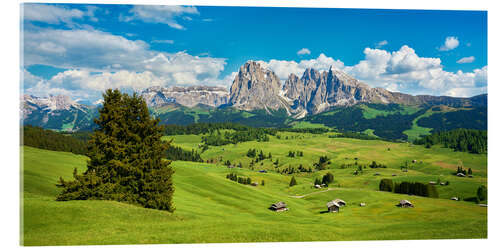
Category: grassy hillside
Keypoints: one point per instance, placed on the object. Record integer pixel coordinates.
(211, 208)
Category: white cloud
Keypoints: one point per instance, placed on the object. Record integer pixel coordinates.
(81, 48)
(402, 70)
(468, 59)
(98, 60)
(163, 41)
(304, 51)
(405, 71)
(381, 44)
(284, 68)
(450, 43)
(166, 14)
(84, 79)
(55, 14)
(406, 60)
(182, 68)
(29, 80)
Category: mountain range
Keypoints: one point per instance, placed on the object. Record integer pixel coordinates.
(255, 90)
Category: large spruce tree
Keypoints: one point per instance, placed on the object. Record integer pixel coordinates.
(125, 154)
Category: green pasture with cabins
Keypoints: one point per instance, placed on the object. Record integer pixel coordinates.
(212, 208)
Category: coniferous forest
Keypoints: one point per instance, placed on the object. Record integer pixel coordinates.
(465, 140)
(47, 139)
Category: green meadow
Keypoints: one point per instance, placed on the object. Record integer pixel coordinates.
(211, 208)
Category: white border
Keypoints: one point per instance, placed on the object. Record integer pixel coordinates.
(9, 12)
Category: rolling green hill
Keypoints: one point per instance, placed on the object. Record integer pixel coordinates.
(211, 208)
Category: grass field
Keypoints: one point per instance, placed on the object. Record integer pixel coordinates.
(370, 113)
(211, 208)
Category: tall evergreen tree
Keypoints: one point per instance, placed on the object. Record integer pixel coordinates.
(125, 154)
(293, 182)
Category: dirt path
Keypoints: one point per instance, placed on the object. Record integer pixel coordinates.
(302, 196)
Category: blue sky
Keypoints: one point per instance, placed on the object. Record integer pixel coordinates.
(80, 50)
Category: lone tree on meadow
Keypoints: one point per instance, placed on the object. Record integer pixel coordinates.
(293, 182)
(125, 154)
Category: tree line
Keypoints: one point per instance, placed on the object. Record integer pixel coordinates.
(464, 140)
(175, 153)
(229, 137)
(210, 128)
(354, 135)
(239, 179)
(412, 188)
(47, 139)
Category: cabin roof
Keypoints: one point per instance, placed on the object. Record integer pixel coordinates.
(339, 201)
(332, 203)
(404, 202)
(279, 204)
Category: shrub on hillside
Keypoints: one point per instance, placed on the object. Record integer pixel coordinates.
(327, 179)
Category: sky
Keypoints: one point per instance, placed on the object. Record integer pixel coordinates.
(81, 50)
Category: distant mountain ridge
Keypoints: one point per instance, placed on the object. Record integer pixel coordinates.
(56, 112)
(186, 96)
(256, 93)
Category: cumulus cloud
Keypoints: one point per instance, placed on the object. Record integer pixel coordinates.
(450, 43)
(98, 60)
(304, 51)
(284, 68)
(81, 48)
(402, 70)
(29, 80)
(381, 44)
(467, 59)
(99, 51)
(166, 14)
(405, 71)
(55, 14)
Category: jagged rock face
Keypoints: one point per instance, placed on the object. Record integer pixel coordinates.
(186, 96)
(317, 91)
(256, 88)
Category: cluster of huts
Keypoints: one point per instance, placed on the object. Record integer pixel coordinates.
(333, 206)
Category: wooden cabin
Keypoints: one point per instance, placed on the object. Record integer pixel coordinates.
(278, 206)
(333, 207)
(405, 203)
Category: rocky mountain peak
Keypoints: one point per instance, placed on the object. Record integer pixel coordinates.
(256, 88)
